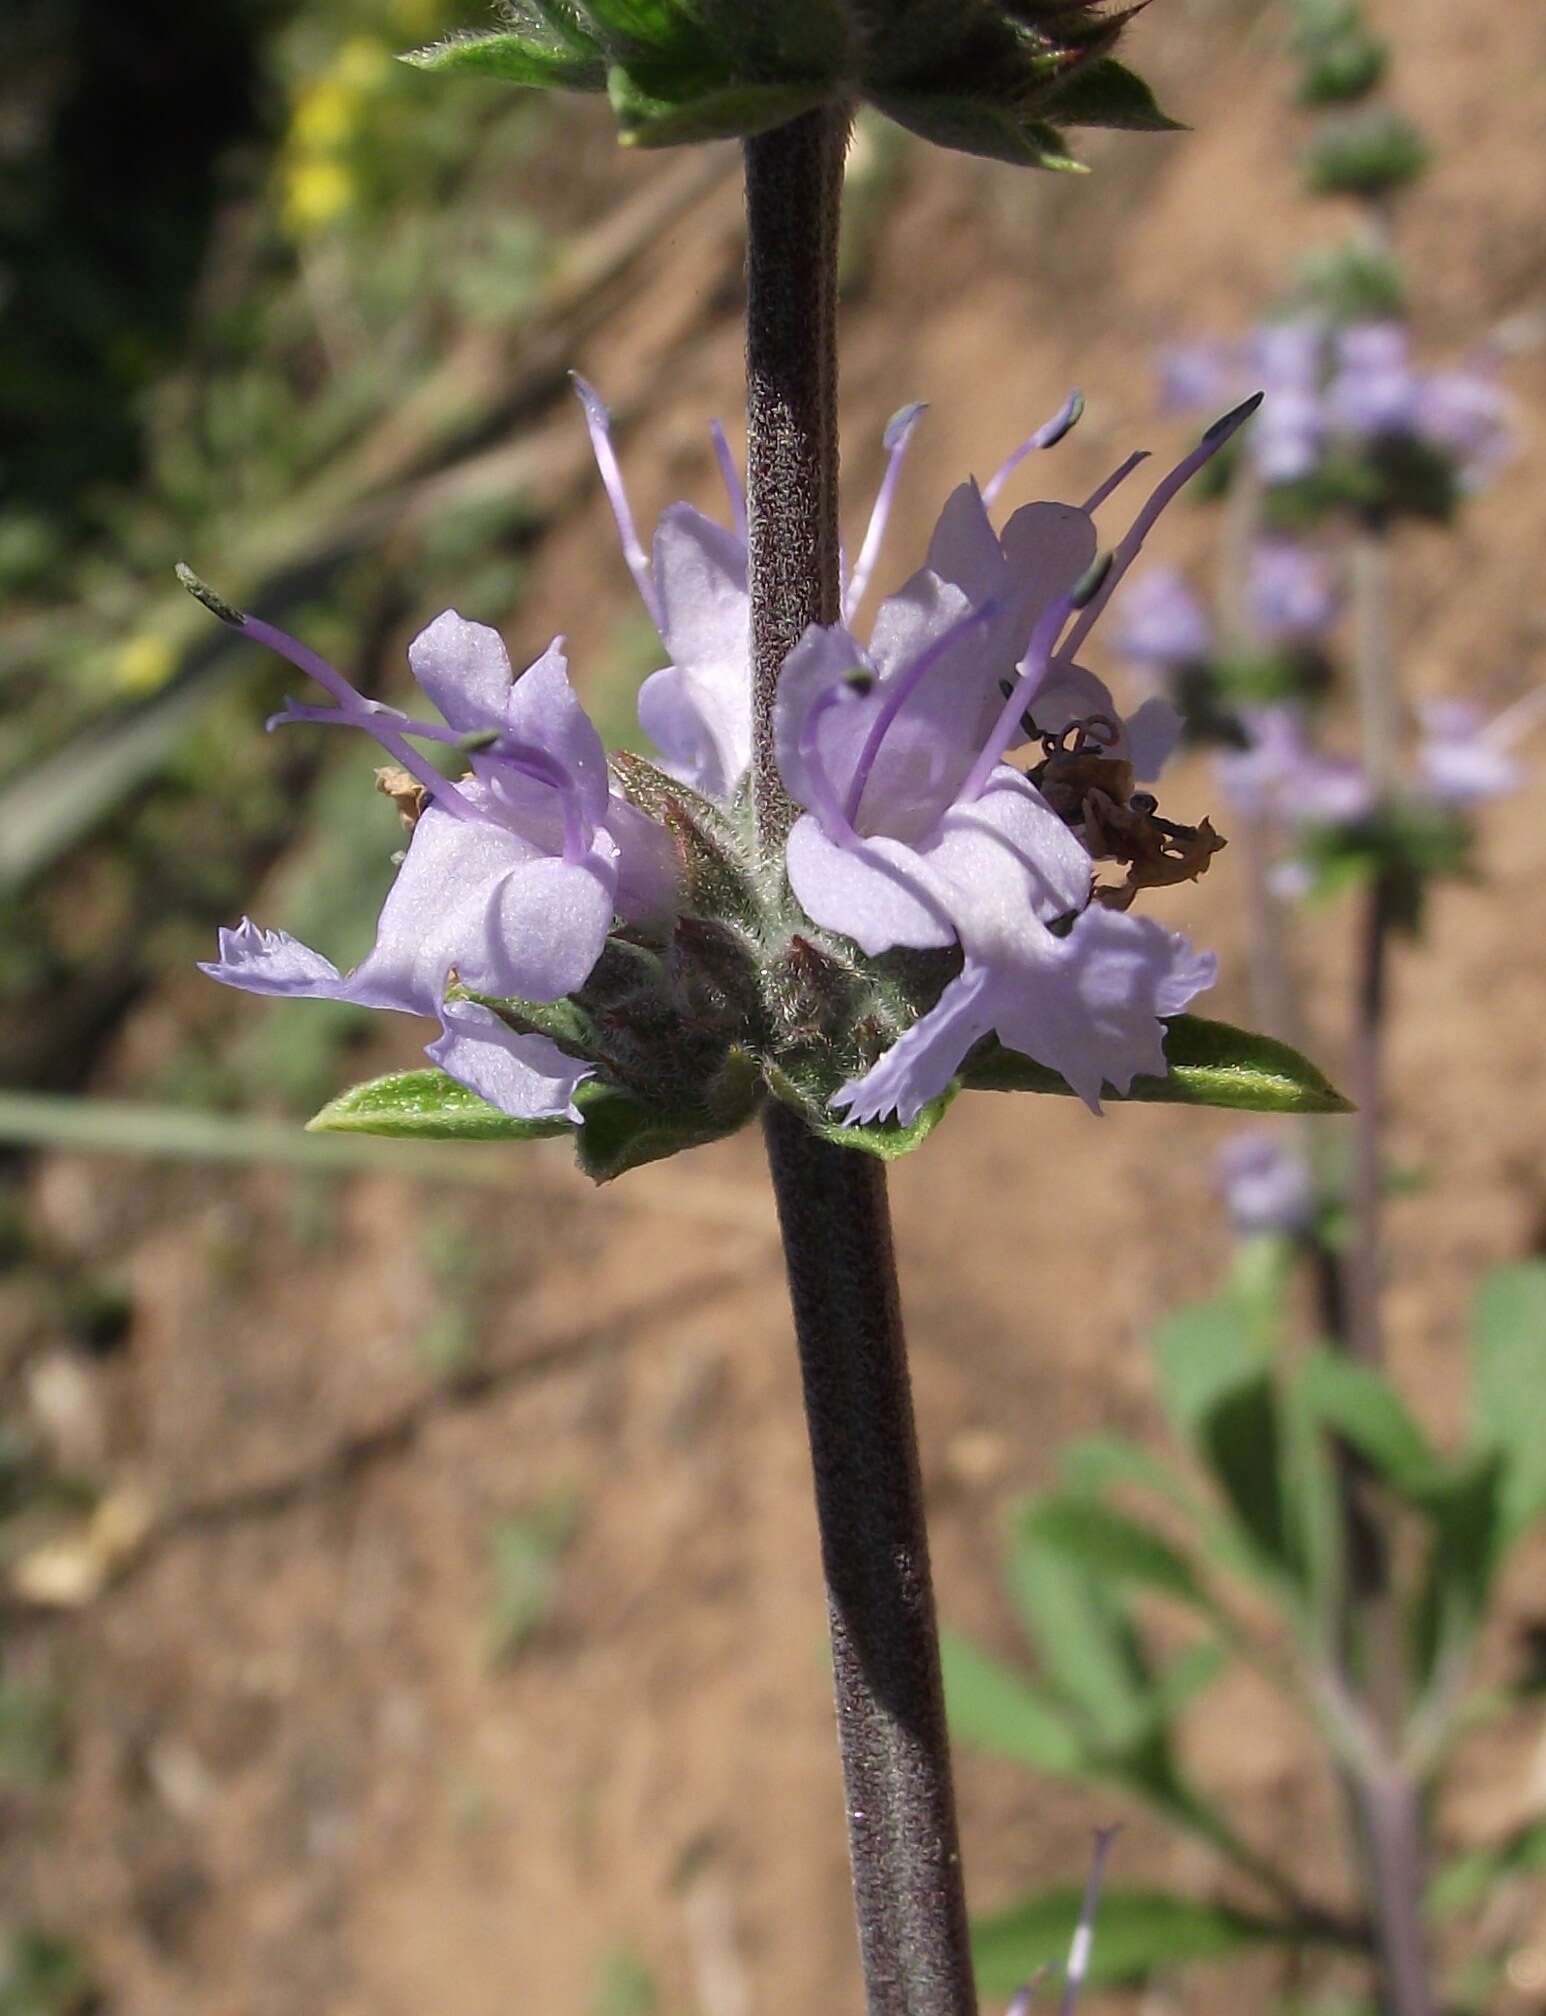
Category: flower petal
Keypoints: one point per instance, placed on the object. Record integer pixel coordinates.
(527, 1076)
(1088, 1005)
(465, 670)
(700, 571)
(964, 548)
(1008, 861)
(543, 709)
(272, 962)
(869, 893)
(922, 1062)
(543, 927)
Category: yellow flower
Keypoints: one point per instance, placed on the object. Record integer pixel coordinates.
(325, 116)
(317, 193)
(143, 664)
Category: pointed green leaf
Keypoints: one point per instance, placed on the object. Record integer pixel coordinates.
(425, 1106)
(538, 61)
(992, 1707)
(1366, 1411)
(1211, 1064)
(1137, 1932)
(978, 126)
(1107, 93)
(1216, 1382)
(1509, 1387)
(1105, 1543)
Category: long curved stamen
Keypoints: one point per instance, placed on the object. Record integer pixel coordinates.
(824, 801)
(1118, 476)
(527, 758)
(897, 691)
(357, 712)
(1048, 435)
(1128, 549)
(730, 476)
(598, 421)
(1037, 660)
(899, 432)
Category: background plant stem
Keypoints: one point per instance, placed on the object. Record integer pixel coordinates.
(908, 1891)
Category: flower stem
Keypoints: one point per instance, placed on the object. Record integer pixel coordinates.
(793, 196)
(832, 1207)
(908, 1890)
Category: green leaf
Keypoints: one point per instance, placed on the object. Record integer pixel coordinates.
(1217, 1385)
(1508, 1374)
(1469, 1879)
(885, 1139)
(1211, 1064)
(1136, 1933)
(672, 117)
(1106, 1543)
(619, 1132)
(1107, 93)
(1082, 1637)
(993, 1708)
(531, 58)
(425, 1106)
(974, 125)
(1365, 1410)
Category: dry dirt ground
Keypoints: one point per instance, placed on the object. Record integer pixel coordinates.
(298, 1783)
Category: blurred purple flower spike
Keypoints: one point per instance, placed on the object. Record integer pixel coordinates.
(1290, 591)
(1164, 625)
(1266, 1184)
(1282, 775)
(1463, 759)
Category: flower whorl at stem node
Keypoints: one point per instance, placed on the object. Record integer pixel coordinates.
(994, 77)
(587, 928)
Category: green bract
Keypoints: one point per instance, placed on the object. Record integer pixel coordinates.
(1212, 1064)
(992, 77)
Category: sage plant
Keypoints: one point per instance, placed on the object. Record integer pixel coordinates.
(830, 901)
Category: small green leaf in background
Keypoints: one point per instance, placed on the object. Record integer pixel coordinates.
(1211, 1064)
(1361, 1406)
(1472, 1878)
(1508, 1373)
(1137, 1932)
(993, 1708)
(1106, 1543)
(1216, 1383)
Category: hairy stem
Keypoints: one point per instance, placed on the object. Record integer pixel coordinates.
(833, 1213)
(793, 196)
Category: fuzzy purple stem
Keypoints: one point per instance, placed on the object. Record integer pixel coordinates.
(833, 1213)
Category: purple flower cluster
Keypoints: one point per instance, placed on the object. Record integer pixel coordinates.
(1358, 386)
(913, 835)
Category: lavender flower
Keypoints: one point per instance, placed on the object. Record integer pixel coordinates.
(1356, 388)
(510, 879)
(634, 894)
(1281, 775)
(1266, 1184)
(1164, 626)
(1291, 595)
(1463, 759)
